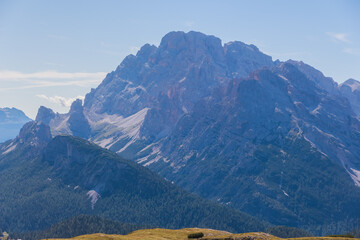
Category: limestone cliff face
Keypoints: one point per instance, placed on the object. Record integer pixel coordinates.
(78, 124)
(253, 141)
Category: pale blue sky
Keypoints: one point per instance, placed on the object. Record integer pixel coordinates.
(54, 51)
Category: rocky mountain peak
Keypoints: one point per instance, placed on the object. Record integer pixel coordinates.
(146, 51)
(352, 84)
(351, 90)
(44, 115)
(185, 66)
(33, 138)
(35, 133)
(11, 121)
(316, 76)
(12, 115)
(76, 106)
(191, 40)
(78, 123)
(239, 46)
(191, 47)
(242, 59)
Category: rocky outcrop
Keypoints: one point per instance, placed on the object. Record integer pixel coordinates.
(73, 123)
(351, 90)
(34, 133)
(45, 115)
(78, 124)
(32, 139)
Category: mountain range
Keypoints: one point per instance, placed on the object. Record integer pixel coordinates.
(277, 140)
(11, 121)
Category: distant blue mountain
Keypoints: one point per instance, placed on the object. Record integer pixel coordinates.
(11, 121)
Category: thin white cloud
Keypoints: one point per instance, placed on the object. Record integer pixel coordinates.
(42, 84)
(57, 37)
(352, 51)
(341, 37)
(12, 80)
(189, 23)
(63, 101)
(53, 64)
(4, 74)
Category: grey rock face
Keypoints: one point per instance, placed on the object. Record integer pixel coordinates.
(171, 78)
(267, 106)
(34, 133)
(45, 115)
(242, 59)
(78, 124)
(221, 148)
(315, 75)
(349, 89)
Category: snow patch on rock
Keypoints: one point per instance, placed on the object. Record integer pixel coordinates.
(355, 175)
(285, 193)
(354, 85)
(284, 78)
(182, 80)
(10, 148)
(93, 196)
